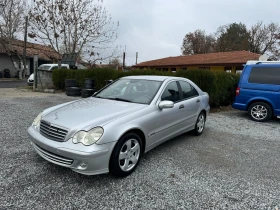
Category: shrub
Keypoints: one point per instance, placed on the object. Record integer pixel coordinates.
(219, 85)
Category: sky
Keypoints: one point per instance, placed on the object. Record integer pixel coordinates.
(156, 28)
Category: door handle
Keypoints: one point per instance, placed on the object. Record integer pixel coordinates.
(181, 106)
(198, 101)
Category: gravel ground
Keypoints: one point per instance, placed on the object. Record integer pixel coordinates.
(233, 165)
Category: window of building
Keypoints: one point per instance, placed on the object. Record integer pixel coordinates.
(204, 67)
(239, 69)
(164, 69)
(173, 69)
(171, 92)
(228, 69)
(183, 68)
(158, 69)
(188, 91)
(265, 75)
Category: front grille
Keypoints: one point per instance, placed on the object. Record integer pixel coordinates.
(52, 132)
(53, 157)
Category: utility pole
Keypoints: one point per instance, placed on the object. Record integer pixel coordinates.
(123, 60)
(24, 49)
(136, 57)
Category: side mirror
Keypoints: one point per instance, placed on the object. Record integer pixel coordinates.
(166, 104)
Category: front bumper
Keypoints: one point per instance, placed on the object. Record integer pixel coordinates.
(89, 160)
(30, 83)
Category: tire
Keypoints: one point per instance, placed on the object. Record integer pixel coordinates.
(70, 83)
(200, 124)
(260, 112)
(87, 92)
(89, 84)
(124, 161)
(73, 91)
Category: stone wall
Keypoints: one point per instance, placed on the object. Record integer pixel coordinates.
(45, 80)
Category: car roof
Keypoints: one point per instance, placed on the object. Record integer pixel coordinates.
(263, 63)
(151, 77)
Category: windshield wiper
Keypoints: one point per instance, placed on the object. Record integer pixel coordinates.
(120, 99)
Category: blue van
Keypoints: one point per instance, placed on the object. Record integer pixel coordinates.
(258, 90)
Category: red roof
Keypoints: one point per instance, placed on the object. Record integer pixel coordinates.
(44, 52)
(235, 57)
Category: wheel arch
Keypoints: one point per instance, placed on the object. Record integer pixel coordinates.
(140, 133)
(204, 112)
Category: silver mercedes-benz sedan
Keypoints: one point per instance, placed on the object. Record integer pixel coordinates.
(110, 131)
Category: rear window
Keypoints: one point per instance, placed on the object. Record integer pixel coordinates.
(44, 67)
(265, 75)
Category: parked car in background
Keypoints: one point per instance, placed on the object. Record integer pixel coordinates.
(51, 67)
(45, 67)
(258, 91)
(110, 131)
(30, 80)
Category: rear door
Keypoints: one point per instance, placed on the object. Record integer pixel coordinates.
(191, 101)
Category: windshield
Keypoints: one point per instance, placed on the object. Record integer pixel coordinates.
(131, 90)
(44, 67)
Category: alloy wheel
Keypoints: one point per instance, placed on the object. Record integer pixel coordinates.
(200, 123)
(259, 112)
(129, 155)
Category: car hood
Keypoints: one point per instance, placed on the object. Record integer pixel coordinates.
(89, 113)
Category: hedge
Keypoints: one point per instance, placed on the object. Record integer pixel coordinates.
(219, 85)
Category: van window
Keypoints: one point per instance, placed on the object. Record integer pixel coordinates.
(265, 75)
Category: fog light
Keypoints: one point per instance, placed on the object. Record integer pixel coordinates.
(82, 166)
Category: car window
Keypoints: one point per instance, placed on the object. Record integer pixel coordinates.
(44, 67)
(188, 91)
(55, 67)
(265, 75)
(64, 67)
(171, 92)
(132, 90)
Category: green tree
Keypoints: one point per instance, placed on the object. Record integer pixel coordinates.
(232, 37)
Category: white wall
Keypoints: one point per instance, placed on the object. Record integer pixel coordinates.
(6, 63)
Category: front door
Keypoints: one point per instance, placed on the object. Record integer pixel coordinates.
(170, 120)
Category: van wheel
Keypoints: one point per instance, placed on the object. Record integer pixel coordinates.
(260, 111)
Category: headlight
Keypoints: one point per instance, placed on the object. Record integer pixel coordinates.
(88, 138)
(37, 120)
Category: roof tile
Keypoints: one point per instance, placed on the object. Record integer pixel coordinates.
(44, 52)
(235, 57)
